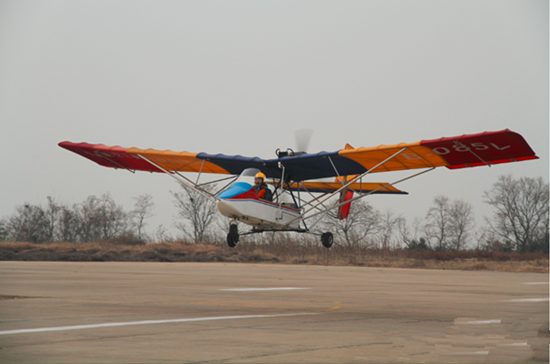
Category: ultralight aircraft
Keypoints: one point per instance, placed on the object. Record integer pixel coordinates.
(297, 175)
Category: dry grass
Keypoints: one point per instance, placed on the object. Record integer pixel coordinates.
(285, 251)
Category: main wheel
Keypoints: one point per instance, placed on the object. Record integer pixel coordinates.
(233, 236)
(232, 240)
(327, 239)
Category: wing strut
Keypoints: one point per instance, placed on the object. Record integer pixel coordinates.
(335, 170)
(363, 196)
(233, 178)
(282, 185)
(200, 172)
(184, 181)
(461, 145)
(314, 198)
(98, 154)
(354, 180)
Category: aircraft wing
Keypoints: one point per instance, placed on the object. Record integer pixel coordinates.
(463, 151)
(469, 150)
(131, 159)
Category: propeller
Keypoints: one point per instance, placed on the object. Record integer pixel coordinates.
(302, 136)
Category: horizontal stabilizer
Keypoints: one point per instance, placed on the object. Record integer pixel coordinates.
(329, 187)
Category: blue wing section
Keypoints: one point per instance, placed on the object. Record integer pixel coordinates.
(234, 164)
(299, 168)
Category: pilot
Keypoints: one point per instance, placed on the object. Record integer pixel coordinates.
(261, 188)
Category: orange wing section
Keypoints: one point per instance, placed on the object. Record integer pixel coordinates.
(415, 156)
(177, 161)
(463, 151)
(129, 158)
(327, 187)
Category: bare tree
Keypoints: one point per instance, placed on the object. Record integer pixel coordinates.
(33, 223)
(161, 235)
(438, 221)
(387, 225)
(420, 238)
(112, 218)
(3, 231)
(363, 220)
(52, 212)
(28, 223)
(94, 219)
(88, 219)
(68, 225)
(412, 239)
(143, 209)
(405, 234)
(462, 220)
(521, 215)
(449, 223)
(195, 209)
(101, 219)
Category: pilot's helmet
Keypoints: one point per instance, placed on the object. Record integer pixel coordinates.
(260, 175)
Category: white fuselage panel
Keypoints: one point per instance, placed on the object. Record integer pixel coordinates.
(263, 215)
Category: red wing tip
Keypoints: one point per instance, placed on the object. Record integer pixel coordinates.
(84, 145)
(465, 136)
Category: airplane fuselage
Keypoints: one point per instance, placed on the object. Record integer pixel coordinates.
(241, 203)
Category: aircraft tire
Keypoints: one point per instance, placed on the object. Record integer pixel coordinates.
(233, 236)
(327, 239)
(232, 239)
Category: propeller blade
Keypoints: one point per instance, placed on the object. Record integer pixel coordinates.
(303, 136)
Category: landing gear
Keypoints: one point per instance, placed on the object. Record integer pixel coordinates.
(233, 236)
(327, 239)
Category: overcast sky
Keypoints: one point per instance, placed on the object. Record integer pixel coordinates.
(240, 77)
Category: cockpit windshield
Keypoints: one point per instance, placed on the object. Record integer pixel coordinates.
(248, 175)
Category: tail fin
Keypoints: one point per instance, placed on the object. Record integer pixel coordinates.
(343, 211)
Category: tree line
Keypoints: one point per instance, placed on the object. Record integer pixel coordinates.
(94, 219)
(520, 221)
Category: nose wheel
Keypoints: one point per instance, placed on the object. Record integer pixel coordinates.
(327, 240)
(233, 236)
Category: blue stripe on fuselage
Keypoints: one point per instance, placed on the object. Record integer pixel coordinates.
(235, 189)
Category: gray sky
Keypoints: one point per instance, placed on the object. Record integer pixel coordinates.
(239, 78)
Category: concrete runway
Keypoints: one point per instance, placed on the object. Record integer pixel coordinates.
(215, 312)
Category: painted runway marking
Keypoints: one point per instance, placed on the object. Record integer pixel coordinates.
(516, 344)
(536, 283)
(472, 353)
(260, 289)
(486, 322)
(530, 300)
(148, 322)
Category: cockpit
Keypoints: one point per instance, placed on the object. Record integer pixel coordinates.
(248, 175)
